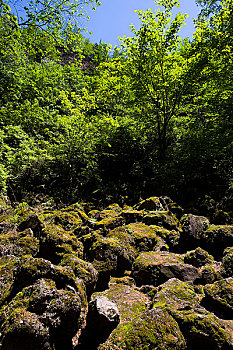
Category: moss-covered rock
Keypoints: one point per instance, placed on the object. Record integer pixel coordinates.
(30, 269)
(154, 329)
(130, 302)
(42, 316)
(227, 263)
(156, 268)
(177, 295)
(19, 243)
(192, 227)
(171, 237)
(131, 215)
(175, 209)
(83, 270)
(201, 329)
(198, 257)
(34, 223)
(139, 236)
(162, 218)
(210, 273)
(55, 242)
(221, 217)
(108, 224)
(219, 298)
(126, 280)
(109, 255)
(217, 238)
(8, 266)
(151, 204)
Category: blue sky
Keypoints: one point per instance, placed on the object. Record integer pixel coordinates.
(113, 18)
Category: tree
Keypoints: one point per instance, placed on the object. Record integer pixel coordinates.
(157, 68)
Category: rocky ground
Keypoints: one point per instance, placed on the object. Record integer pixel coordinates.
(144, 277)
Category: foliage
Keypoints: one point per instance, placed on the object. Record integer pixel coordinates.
(79, 120)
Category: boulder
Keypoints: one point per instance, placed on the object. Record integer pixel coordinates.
(154, 329)
(200, 328)
(83, 270)
(227, 263)
(131, 215)
(151, 204)
(157, 267)
(198, 257)
(164, 219)
(108, 253)
(130, 302)
(102, 317)
(42, 316)
(219, 298)
(217, 238)
(171, 237)
(34, 223)
(192, 227)
(55, 242)
(139, 236)
(19, 243)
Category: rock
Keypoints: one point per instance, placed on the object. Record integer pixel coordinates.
(83, 270)
(192, 227)
(209, 274)
(126, 280)
(19, 243)
(201, 329)
(198, 257)
(108, 224)
(176, 295)
(131, 215)
(227, 263)
(33, 222)
(219, 298)
(8, 266)
(130, 302)
(55, 242)
(103, 316)
(30, 269)
(151, 204)
(156, 268)
(42, 316)
(217, 238)
(164, 219)
(172, 238)
(154, 329)
(139, 236)
(176, 209)
(109, 255)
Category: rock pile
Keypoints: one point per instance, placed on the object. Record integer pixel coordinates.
(144, 277)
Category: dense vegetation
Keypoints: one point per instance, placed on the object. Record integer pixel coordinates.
(79, 121)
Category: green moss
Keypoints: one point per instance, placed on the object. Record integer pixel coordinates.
(19, 243)
(151, 204)
(130, 302)
(175, 294)
(162, 218)
(227, 263)
(216, 238)
(219, 298)
(55, 242)
(198, 257)
(155, 329)
(171, 237)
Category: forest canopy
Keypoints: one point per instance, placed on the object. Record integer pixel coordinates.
(81, 121)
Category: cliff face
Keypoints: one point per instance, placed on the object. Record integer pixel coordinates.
(144, 277)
